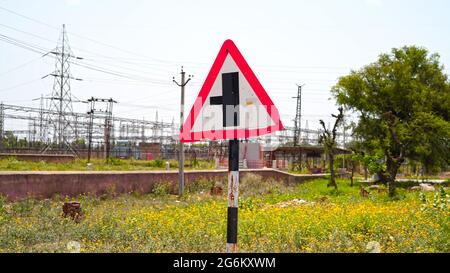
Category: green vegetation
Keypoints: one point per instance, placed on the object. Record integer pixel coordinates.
(114, 164)
(403, 104)
(271, 219)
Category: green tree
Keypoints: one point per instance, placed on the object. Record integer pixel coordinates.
(328, 140)
(403, 104)
(10, 140)
(355, 158)
(79, 143)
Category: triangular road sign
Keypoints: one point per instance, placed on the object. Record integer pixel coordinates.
(232, 103)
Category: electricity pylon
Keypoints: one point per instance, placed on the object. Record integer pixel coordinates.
(61, 98)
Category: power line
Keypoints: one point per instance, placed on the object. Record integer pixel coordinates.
(25, 32)
(19, 85)
(29, 18)
(170, 62)
(81, 36)
(24, 45)
(40, 50)
(37, 49)
(124, 82)
(159, 64)
(19, 66)
(306, 67)
(79, 49)
(146, 106)
(134, 61)
(112, 72)
(117, 48)
(123, 67)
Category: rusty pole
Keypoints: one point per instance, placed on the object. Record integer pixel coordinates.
(233, 191)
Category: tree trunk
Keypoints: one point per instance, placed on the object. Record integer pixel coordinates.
(332, 174)
(392, 169)
(353, 173)
(391, 186)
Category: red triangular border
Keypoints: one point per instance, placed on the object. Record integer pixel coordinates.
(229, 47)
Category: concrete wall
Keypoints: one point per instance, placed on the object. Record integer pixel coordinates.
(41, 185)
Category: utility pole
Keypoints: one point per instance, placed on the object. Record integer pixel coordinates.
(108, 126)
(2, 125)
(298, 123)
(181, 152)
(307, 131)
(108, 123)
(298, 116)
(91, 121)
(41, 120)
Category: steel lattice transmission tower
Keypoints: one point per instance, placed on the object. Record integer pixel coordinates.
(298, 117)
(61, 98)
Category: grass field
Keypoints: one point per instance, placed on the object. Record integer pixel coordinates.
(12, 164)
(269, 221)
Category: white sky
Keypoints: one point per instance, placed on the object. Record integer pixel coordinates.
(285, 42)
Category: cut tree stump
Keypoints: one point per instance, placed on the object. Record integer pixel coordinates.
(216, 190)
(73, 210)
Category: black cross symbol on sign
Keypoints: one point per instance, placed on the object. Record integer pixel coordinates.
(229, 99)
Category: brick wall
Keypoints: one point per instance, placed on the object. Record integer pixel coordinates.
(41, 185)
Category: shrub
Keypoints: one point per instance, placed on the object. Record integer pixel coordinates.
(159, 163)
(24, 207)
(199, 185)
(2, 204)
(440, 202)
(252, 185)
(115, 161)
(162, 188)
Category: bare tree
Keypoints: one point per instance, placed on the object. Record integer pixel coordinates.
(328, 140)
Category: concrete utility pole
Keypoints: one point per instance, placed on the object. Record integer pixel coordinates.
(181, 151)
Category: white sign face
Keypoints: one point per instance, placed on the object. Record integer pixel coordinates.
(232, 103)
(252, 113)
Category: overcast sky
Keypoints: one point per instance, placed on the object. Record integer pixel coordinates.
(285, 42)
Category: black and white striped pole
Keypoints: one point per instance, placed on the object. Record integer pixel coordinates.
(233, 194)
(230, 109)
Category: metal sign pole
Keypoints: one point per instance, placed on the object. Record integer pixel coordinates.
(228, 106)
(233, 194)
